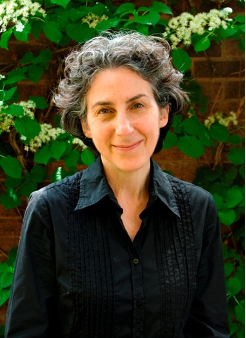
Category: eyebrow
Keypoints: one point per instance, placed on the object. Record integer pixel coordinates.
(106, 103)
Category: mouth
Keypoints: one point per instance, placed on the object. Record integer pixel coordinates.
(128, 147)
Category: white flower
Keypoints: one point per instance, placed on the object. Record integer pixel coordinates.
(18, 12)
(180, 28)
(79, 142)
(93, 19)
(222, 119)
(19, 27)
(47, 134)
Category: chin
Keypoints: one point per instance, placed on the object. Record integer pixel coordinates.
(133, 165)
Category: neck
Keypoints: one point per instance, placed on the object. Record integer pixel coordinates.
(132, 184)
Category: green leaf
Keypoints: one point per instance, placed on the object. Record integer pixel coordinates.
(45, 55)
(219, 201)
(177, 124)
(75, 13)
(62, 3)
(34, 73)
(11, 182)
(160, 7)
(80, 32)
(71, 159)
(43, 155)
(23, 35)
(226, 33)
(9, 93)
(6, 279)
(87, 157)
(234, 197)
(11, 166)
(5, 39)
(240, 274)
(27, 58)
(191, 125)
(240, 18)
(234, 139)
(191, 146)
(231, 173)
(129, 7)
(242, 171)
(27, 127)
(150, 18)
(170, 140)
(202, 44)
(52, 32)
(58, 174)
(16, 76)
(39, 101)
(57, 149)
(181, 60)
(10, 198)
(240, 312)
(38, 173)
(4, 296)
(27, 187)
(234, 286)
(237, 156)
(106, 24)
(227, 216)
(228, 268)
(219, 132)
(15, 110)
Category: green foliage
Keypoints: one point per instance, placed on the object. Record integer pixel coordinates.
(6, 276)
(68, 22)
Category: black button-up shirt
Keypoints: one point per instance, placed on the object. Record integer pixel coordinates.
(78, 274)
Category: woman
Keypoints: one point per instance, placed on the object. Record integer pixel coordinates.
(120, 249)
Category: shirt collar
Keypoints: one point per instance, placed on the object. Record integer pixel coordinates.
(94, 187)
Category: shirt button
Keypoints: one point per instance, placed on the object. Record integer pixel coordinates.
(136, 261)
(139, 303)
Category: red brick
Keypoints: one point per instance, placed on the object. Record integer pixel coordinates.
(234, 89)
(230, 50)
(213, 51)
(216, 69)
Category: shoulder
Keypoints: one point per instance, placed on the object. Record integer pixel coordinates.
(193, 192)
(58, 192)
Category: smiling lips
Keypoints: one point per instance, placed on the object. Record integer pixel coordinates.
(127, 147)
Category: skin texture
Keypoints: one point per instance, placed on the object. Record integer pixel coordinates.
(123, 120)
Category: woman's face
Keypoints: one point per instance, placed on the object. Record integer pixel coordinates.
(123, 119)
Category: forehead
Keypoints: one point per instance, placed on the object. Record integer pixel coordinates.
(118, 82)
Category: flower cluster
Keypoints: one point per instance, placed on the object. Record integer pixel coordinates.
(79, 142)
(18, 12)
(222, 119)
(47, 134)
(181, 28)
(93, 19)
(7, 120)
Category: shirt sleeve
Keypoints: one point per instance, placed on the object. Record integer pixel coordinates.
(32, 306)
(208, 316)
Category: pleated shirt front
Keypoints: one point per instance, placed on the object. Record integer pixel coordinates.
(78, 273)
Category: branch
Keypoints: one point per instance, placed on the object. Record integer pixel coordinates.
(4, 253)
(14, 145)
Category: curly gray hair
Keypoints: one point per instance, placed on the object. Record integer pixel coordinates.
(149, 56)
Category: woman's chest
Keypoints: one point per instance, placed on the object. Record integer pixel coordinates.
(123, 282)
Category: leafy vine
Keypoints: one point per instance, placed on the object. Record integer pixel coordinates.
(31, 139)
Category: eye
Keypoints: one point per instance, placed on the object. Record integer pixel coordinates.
(138, 105)
(104, 111)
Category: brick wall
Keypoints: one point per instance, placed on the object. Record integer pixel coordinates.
(219, 71)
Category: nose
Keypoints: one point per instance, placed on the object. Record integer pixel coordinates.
(124, 125)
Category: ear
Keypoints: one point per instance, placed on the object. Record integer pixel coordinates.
(164, 114)
(85, 128)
